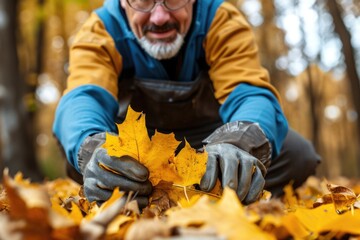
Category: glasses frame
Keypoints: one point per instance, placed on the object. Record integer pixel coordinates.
(155, 3)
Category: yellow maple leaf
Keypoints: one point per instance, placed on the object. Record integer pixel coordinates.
(157, 153)
(185, 160)
(112, 146)
(133, 139)
(159, 158)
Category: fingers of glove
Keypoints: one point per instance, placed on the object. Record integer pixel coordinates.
(257, 185)
(229, 166)
(208, 181)
(110, 180)
(93, 170)
(126, 166)
(245, 172)
(100, 195)
(142, 189)
(94, 193)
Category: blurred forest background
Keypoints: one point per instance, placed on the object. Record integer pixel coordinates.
(310, 47)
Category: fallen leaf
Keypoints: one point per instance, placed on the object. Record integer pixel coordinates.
(227, 216)
(324, 218)
(326, 199)
(94, 226)
(290, 199)
(190, 165)
(343, 198)
(29, 203)
(157, 154)
(10, 229)
(295, 228)
(146, 229)
(4, 202)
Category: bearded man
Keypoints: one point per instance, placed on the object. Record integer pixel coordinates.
(193, 68)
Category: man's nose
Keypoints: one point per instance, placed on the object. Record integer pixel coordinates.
(159, 15)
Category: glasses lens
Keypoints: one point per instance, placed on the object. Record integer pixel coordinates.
(141, 5)
(175, 4)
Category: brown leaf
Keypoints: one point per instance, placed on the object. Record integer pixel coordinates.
(4, 202)
(108, 219)
(343, 198)
(326, 199)
(159, 201)
(29, 203)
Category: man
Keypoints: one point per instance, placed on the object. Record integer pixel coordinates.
(193, 68)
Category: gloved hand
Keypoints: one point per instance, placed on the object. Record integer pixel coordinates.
(239, 154)
(103, 173)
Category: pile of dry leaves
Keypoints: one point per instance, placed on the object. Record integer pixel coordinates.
(58, 209)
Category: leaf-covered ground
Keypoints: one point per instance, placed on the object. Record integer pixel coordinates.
(57, 210)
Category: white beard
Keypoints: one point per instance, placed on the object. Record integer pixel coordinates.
(162, 50)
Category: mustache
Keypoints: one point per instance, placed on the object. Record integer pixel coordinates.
(159, 29)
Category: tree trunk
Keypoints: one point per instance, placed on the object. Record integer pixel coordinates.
(312, 94)
(16, 141)
(350, 62)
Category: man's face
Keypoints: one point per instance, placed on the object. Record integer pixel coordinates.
(160, 32)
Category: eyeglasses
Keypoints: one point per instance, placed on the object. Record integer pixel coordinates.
(147, 6)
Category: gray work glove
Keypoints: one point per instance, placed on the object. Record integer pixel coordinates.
(239, 154)
(124, 172)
